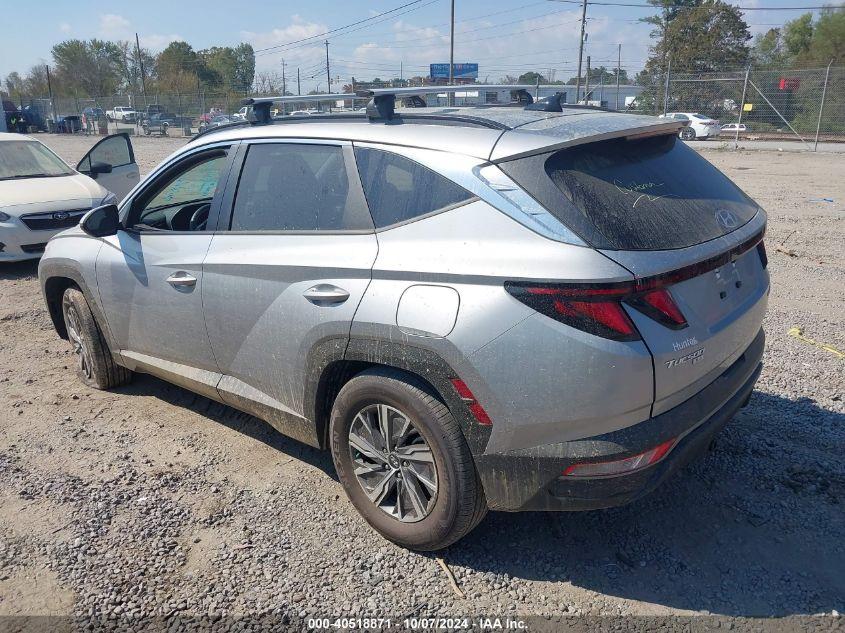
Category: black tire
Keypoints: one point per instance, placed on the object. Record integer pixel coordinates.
(146, 130)
(459, 504)
(164, 127)
(688, 134)
(95, 365)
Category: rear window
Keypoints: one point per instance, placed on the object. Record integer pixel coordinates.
(640, 194)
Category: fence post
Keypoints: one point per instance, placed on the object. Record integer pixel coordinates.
(741, 106)
(821, 107)
(666, 87)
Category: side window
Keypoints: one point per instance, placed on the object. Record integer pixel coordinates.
(113, 151)
(181, 200)
(298, 187)
(399, 189)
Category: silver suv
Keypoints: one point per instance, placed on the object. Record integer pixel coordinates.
(471, 308)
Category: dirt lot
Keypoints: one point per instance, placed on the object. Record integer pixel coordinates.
(151, 500)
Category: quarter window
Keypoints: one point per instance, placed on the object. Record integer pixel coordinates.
(399, 189)
(298, 187)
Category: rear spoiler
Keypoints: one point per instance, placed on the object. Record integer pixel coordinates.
(527, 141)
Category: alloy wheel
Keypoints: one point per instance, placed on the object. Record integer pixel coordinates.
(393, 463)
(78, 342)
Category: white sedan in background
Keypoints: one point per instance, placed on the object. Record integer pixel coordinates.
(40, 195)
(699, 126)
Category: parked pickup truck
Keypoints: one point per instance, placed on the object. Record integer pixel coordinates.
(160, 123)
(121, 113)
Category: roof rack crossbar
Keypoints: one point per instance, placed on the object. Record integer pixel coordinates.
(383, 100)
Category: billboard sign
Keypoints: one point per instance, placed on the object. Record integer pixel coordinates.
(462, 71)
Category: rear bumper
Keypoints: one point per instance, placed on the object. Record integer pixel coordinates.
(531, 479)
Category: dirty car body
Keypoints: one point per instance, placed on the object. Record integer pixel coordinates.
(588, 320)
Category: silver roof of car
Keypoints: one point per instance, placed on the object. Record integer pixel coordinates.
(488, 133)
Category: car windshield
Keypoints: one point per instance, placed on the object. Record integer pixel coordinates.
(29, 159)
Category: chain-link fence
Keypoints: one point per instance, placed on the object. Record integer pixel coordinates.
(805, 105)
(785, 104)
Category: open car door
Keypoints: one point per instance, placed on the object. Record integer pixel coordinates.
(111, 162)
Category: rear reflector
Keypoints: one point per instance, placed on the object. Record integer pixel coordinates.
(621, 466)
(475, 408)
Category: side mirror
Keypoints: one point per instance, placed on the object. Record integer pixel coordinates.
(100, 168)
(101, 221)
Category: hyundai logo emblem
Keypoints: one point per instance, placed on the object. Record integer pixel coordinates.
(61, 215)
(727, 219)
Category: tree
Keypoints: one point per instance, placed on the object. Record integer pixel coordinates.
(35, 82)
(91, 67)
(797, 35)
(768, 50)
(13, 83)
(698, 36)
(244, 66)
(829, 37)
(531, 77)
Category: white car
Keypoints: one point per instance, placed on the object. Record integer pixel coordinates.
(734, 127)
(300, 113)
(40, 195)
(700, 126)
(121, 113)
(241, 114)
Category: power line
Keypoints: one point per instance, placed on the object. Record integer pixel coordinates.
(307, 41)
(339, 28)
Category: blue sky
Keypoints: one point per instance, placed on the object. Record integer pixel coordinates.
(504, 37)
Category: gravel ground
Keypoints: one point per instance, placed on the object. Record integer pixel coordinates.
(152, 501)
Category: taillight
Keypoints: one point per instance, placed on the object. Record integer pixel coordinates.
(592, 308)
(660, 306)
(761, 251)
(597, 308)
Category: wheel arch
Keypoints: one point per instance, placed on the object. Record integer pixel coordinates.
(57, 276)
(329, 368)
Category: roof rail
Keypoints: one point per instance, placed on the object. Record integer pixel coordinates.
(383, 100)
(260, 110)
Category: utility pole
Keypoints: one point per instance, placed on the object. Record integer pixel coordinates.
(580, 52)
(400, 73)
(587, 82)
(50, 90)
(618, 72)
(298, 88)
(328, 72)
(284, 87)
(141, 65)
(451, 95)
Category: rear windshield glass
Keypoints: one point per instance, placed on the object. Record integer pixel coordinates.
(652, 193)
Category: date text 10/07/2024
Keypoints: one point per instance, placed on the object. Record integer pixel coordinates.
(419, 624)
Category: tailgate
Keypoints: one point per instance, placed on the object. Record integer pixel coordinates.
(721, 289)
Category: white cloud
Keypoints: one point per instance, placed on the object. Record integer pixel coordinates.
(64, 27)
(112, 24)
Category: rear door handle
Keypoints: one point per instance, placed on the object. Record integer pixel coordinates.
(326, 293)
(181, 279)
